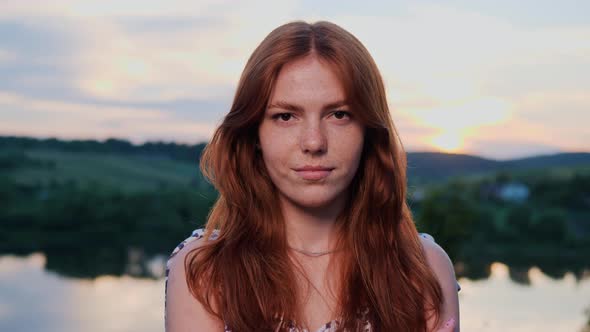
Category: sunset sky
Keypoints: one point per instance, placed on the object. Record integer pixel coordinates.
(498, 79)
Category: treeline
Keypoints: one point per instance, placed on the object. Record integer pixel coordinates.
(551, 229)
(87, 231)
(176, 151)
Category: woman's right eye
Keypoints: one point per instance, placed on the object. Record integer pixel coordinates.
(283, 116)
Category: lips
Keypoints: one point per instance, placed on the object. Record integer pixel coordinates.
(313, 172)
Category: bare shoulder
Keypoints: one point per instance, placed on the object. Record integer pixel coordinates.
(179, 253)
(183, 312)
(441, 264)
(437, 257)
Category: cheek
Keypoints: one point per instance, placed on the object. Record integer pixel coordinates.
(277, 146)
(266, 139)
(272, 159)
(354, 160)
(350, 147)
(274, 154)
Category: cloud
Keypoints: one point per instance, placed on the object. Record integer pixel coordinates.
(50, 118)
(465, 75)
(449, 72)
(6, 56)
(97, 8)
(112, 59)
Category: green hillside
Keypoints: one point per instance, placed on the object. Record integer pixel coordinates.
(127, 172)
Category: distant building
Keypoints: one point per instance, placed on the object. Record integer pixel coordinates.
(514, 192)
(511, 191)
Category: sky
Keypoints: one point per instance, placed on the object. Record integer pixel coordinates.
(501, 79)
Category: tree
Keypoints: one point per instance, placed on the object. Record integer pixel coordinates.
(449, 216)
(550, 225)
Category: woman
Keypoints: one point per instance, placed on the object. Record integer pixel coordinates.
(311, 231)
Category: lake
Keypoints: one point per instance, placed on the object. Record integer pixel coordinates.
(34, 299)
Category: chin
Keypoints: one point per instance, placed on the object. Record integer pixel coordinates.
(313, 201)
(313, 204)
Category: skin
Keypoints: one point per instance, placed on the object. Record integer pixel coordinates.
(307, 122)
(304, 124)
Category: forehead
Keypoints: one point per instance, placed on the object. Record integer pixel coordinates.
(308, 79)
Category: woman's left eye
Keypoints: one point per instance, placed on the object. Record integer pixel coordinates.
(341, 114)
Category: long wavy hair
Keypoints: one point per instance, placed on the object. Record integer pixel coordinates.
(244, 276)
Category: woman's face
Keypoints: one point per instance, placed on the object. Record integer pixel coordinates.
(310, 140)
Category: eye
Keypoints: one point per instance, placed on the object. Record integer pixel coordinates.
(341, 114)
(283, 116)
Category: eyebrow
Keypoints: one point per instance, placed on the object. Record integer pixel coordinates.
(297, 108)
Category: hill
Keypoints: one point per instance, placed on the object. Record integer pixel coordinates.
(434, 166)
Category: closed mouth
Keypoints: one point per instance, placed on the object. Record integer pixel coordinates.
(313, 173)
(313, 168)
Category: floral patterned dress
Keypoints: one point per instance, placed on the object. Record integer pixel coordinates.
(328, 327)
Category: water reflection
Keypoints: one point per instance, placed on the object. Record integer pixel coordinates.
(35, 299)
(556, 264)
(90, 262)
(542, 303)
(586, 327)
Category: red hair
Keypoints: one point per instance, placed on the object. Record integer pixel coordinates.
(244, 276)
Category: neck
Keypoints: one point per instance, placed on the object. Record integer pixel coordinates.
(311, 229)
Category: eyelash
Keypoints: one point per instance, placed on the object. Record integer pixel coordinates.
(280, 115)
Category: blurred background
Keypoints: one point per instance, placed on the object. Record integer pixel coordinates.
(105, 107)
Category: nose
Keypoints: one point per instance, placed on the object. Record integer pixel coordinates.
(313, 139)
